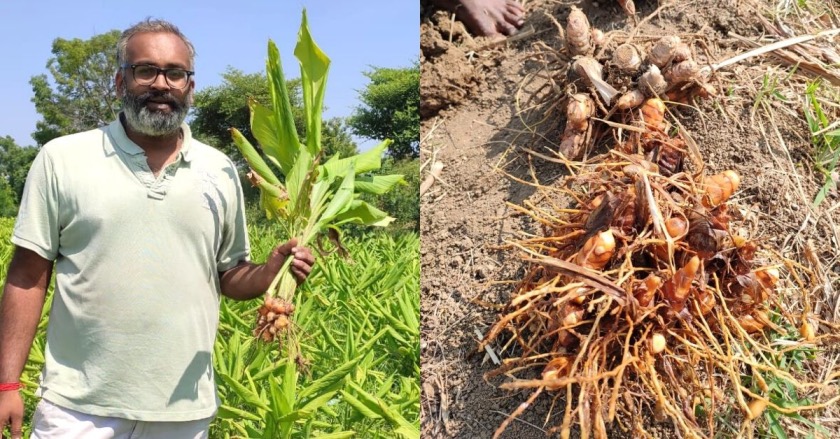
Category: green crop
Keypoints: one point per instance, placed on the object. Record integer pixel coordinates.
(359, 328)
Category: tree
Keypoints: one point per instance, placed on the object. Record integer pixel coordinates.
(14, 165)
(82, 94)
(336, 138)
(391, 109)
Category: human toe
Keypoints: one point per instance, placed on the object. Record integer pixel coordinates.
(515, 19)
(507, 28)
(515, 7)
(487, 29)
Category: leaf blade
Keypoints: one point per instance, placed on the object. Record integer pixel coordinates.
(253, 157)
(287, 133)
(314, 66)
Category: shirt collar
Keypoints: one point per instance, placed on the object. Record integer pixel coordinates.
(128, 146)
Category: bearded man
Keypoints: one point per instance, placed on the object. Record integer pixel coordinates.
(145, 228)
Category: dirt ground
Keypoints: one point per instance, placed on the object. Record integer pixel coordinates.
(480, 120)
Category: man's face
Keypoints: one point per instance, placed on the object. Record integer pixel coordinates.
(158, 108)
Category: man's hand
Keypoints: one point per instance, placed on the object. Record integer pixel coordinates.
(248, 280)
(11, 414)
(301, 265)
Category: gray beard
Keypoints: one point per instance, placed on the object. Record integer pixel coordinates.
(153, 123)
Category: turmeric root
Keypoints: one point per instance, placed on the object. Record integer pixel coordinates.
(677, 288)
(597, 251)
(578, 112)
(578, 34)
(653, 114)
(720, 187)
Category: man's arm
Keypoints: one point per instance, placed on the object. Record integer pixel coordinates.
(20, 311)
(245, 281)
(248, 280)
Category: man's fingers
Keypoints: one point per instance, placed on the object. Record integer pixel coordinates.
(298, 275)
(304, 254)
(301, 273)
(16, 433)
(285, 249)
(302, 261)
(16, 427)
(302, 264)
(301, 267)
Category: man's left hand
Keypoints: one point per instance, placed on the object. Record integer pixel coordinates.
(301, 265)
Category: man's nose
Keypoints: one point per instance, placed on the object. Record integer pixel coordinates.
(160, 82)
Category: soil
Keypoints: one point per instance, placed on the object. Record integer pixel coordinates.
(486, 106)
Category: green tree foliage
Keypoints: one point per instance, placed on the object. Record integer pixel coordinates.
(391, 110)
(336, 138)
(14, 165)
(80, 95)
(8, 207)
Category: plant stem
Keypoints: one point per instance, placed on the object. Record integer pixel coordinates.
(286, 287)
(284, 269)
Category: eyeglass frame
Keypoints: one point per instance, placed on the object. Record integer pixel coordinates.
(158, 71)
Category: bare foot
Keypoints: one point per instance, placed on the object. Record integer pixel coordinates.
(487, 17)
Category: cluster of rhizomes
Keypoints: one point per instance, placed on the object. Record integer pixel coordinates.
(274, 319)
(639, 290)
(662, 69)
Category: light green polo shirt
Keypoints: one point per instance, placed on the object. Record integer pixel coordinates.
(137, 262)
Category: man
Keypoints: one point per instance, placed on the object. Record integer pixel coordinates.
(489, 18)
(146, 228)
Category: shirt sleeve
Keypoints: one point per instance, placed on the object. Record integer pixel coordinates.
(235, 247)
(37, 224)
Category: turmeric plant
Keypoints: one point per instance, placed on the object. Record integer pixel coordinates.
(313, 196)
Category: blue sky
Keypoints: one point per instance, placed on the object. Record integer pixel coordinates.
(354, 34)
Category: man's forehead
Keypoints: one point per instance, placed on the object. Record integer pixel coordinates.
(156, 42)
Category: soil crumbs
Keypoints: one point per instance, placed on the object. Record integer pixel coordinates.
(479, 121)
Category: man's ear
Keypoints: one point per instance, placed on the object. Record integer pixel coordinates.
(191, 92)
(119, 83)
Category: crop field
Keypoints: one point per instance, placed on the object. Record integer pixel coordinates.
(357, 321)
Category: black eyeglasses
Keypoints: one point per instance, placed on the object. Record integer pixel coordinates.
(145, 74)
